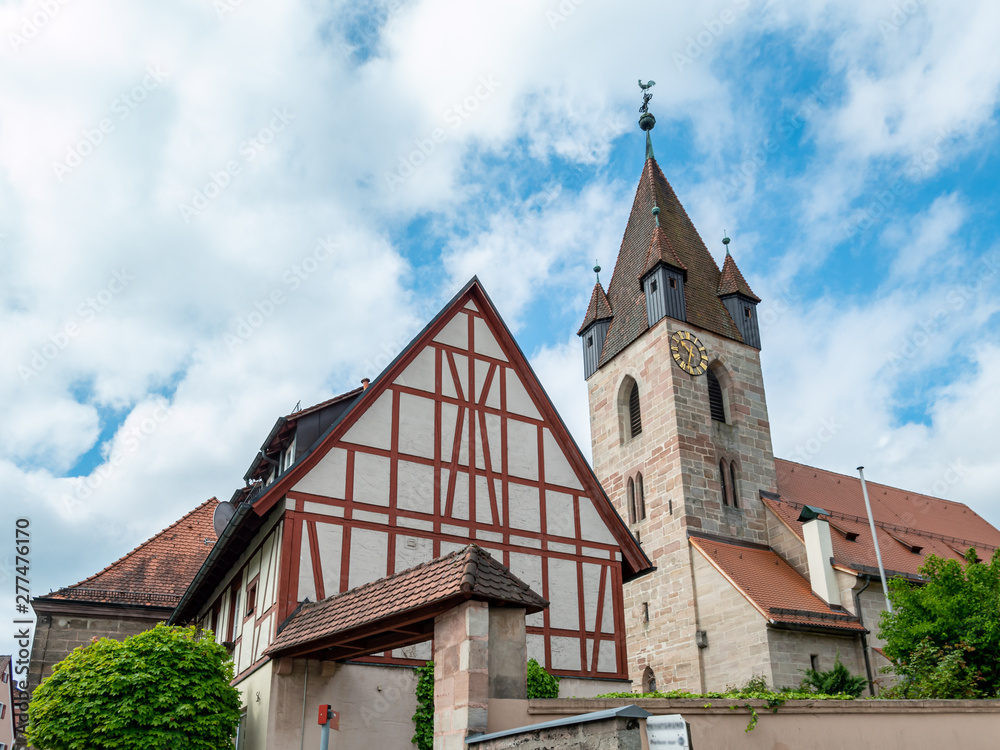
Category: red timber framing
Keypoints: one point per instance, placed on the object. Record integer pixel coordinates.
(456, 442)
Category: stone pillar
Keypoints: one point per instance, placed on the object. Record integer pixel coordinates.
(461, 673)
(508, 657)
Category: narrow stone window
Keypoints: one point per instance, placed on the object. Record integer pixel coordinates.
(640, 499)
(734, 486)
(648, 681)
(715, 402)
(635, 420)
(670, 506)
(645, 611)
(814, 661)
(631, 501)
(722, 481)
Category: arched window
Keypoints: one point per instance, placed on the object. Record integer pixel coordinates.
(631, 501)
(715, 401)
(648, 681)
(734, 487)
(722, 482)
(640, 499)
(634, 418)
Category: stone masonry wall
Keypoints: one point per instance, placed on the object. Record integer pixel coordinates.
(785, 543)
(461, 674)
(678, 453)
(791, 651)
(610, 734)
(737, 633)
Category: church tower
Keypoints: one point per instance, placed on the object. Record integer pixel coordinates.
(679, 425)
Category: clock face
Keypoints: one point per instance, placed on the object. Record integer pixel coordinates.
(689, 353)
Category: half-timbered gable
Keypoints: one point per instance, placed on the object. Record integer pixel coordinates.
(455, 442)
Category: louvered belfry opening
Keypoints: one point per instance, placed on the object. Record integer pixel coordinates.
(715, 402)
(635, 420)
(722, 482)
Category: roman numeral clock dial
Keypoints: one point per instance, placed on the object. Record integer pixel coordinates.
(688, 353)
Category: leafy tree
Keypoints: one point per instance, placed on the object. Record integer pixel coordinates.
(836, 681)
(944, 635)
(423, 719)
(541, 684)
(162, 688)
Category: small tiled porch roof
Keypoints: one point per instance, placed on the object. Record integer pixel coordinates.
(399, 610)
(773, 587)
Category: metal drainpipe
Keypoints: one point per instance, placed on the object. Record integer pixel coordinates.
(864, 637)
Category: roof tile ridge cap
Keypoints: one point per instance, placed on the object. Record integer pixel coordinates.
(380, 581)
(138, 547)
(328, 402)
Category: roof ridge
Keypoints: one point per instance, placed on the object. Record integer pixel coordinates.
(151, 539)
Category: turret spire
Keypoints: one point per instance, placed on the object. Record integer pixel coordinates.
(646, 119)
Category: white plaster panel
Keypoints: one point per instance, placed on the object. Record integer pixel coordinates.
(412, 550)
(565, 652)
(245, 651)
(328, 477)
(416, 425)
(607, 658)
(323, 509)
(374, 427)
(563, 595)
(492, 422)
(589, 645)
(449, 417)
(559, 518)
(608, 612)
(482, 368)
(447, 381)
(490, 536)
(455, 332)
(263, 637)
(518, 400)
(557, 468)
(371, 479)
(591, 592)
(493, 397)
(592, 526)
(415, 487)
(522, 449)
(462, 366)
(463, 450)
(419, 373)
(277, 556)
(448, 547)
(524, 541)
(524, 511)
(460, 504)
(470, 305)
(253, 567)
(484, 508)
(369, 552)
(536, 648)
(485, 342)
(569, 549)
(529, 569)
(307, 585)
(329, 539)
(365, 515)
(414, 523)
(455, 530)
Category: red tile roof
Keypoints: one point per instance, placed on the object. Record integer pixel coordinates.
(412, 596)
(598, 309)
(732, 281)
(909, 525)
(157, 572)
(772, 586)
(704, 308)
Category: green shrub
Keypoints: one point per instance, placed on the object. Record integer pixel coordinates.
(541, 684)
(836, 681)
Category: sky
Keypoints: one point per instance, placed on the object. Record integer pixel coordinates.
(214, 210)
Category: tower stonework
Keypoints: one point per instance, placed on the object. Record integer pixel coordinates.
(685, 473)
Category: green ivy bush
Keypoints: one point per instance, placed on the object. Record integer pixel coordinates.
(423, 719)
(541, 684)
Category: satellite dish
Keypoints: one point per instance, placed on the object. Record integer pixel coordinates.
(220, 518)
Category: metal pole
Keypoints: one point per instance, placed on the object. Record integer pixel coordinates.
(324, 737)
(878, 552)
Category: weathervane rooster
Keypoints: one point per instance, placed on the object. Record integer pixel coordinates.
(646, 96)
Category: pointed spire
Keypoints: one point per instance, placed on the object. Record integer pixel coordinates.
(660, 249)
(598, 309)
(732, 281)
